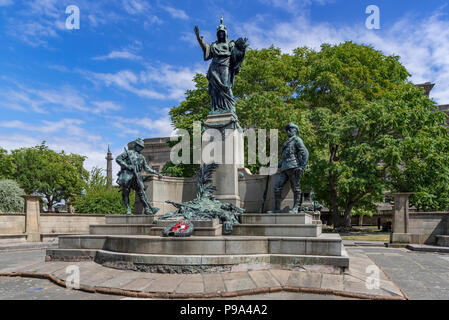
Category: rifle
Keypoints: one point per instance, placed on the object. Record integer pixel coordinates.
(136, 174)
(262, 207)
(180, 205)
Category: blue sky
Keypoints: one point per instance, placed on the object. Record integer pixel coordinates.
(116, 77)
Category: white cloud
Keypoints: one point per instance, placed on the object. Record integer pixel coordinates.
(4, 3)
(134, 7)
(144, 126)
(176, 13)
(293, 5)
(71, 126)
(422, 43)
(62, 99)
(94, 149)
(164, 82)
(123, 54)
(105, 106)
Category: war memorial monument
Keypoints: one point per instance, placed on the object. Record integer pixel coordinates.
(211, 223)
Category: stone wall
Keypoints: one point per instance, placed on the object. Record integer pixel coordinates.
(13, 226)
(167, 188)
(425, 226)
(12, 223)
(252, 187)
(69, 223)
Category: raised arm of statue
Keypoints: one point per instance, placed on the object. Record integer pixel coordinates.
(200, 38)
(203, 45)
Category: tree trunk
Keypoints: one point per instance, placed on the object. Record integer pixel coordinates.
(334, 212)
(49, 204)
(348, 210)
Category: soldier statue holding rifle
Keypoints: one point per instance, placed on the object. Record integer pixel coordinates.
(129, 177)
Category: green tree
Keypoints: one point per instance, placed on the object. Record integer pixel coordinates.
(374, 130)
(265, 98)
(99, 198)
(368, 129)
(10, 196)
(7, 166)
(55, 176)
(102, 201)
(97, 179)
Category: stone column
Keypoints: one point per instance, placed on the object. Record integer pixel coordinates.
(400, 227)
(32, 218)
(226, 177)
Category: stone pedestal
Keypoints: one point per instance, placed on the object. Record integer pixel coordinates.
(32, 218)
(228, 154)
(400, 227)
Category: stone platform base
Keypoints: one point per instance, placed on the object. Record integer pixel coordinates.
(443, 241)
(200, 253)
(194, 263)
(135, 242)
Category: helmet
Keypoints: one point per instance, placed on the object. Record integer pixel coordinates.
(139, 142)
(292, 125)
(222, 27)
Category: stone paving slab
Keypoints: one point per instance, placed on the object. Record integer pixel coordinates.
(247, 281)
(426, 248)
(213, 283)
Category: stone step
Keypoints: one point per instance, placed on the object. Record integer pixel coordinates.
(324, 245)
(442, 240)
(198, 231)
(197, 223)
(121, 229)
(278, 218)
(211, 228)
(280, 230)
(125, 219)
(144, 262)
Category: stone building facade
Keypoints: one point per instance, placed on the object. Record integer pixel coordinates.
(156, 151)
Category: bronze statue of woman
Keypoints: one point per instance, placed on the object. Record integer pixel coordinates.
(227, 57)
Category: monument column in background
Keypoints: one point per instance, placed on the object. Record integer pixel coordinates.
(400, 232)
(32, 218)
(109, 159)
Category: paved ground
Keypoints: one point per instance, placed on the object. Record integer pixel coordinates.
(245, 282)
(419, 275)
(39, 289)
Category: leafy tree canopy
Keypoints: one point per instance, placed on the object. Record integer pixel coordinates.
(99, 198)
(55, 176)
(7, 166)
(368, 129)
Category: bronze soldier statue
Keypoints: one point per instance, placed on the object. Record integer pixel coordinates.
(129, 177)
(295, 157)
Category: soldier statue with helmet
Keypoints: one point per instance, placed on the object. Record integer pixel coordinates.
(132, 162)
(295, 157)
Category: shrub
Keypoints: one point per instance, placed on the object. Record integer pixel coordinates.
(10, 196)
(107, 200)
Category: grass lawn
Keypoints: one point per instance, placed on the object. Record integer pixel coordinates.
(379, 237)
